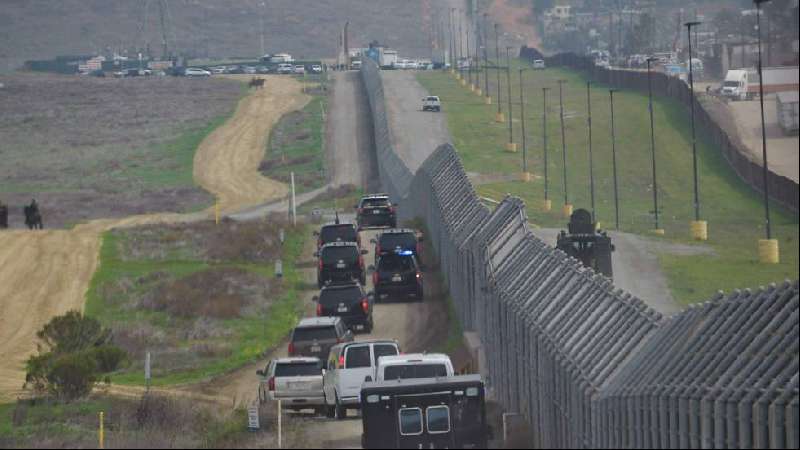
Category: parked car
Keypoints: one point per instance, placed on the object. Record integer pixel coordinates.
(262, 70)
(347, 367)
(316, 335)
(376, 211)
(337, 232)
(250, 70)
(217, 70)
(429, 413)
(285, 68)
(417, 365)
(296, 382)
(195, 72)
(348, 301)
(316, 68)
(340, 262)
(398, 240)
(431, 103)
(299, 70)
(538, 64)
(397, 275)
(235, 70)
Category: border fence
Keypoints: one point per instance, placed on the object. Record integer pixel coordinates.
(589, 365)
(781, 189)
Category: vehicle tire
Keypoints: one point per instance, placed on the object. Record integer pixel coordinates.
(341, 411)
(330, 412)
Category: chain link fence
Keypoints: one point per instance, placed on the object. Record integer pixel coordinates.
(587, 364)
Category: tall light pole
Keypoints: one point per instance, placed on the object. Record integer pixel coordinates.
(567, 210)
(512, 146)
(547, 204)
(525, 173)
(499, 118)
(486, 60)
(768, 248)
(451, 37)
(469, 61)
(657, 228)
(699, 227)
(591, 155)
(477, 59)
(614, 160)
(460, 45)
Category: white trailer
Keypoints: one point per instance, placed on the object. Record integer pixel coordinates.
(787, 105)
(388, 58)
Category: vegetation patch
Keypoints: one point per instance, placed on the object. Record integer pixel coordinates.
(733, 210)
(185, 295)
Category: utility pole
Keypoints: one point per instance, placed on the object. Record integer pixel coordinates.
(614, 161)
(567, 210)
(512, 146)
(699, 227)
(486, 60)
(460, 46)
(591, 156)
(525, 174)
(547, 204)
(499, 118)
(469, 61)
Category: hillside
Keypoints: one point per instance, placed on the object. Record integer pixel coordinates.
(305, 28)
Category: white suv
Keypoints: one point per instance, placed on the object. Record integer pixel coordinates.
(195, 72)
(412, 366)
(431, 103)
(348, 366)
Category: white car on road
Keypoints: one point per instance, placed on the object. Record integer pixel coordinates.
(296, 382)
(195, 72)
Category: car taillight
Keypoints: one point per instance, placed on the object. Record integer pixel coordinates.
(320, 264)
(377, 249)
(375, 278)
(419, 277)
(361, 262)
(341, 362)
(291, 349)
(365, 306)
(271, 384)
(319, 310)
(319, 242)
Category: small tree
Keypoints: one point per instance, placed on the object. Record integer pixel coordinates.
(75, 352)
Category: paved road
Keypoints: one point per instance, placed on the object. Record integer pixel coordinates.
(349, 135)
(636, 267)
(415, 134)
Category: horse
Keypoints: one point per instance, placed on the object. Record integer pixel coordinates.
(33, 218)
(256, 83)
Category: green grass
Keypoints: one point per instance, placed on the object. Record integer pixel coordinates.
(51, 418)
(251, 335)
(733, 210)
(305, 156)
(340, 203)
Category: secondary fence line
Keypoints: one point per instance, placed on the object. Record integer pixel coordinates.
(587, 364)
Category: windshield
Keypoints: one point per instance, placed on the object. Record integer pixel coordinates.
(327, 332)
(304, 369)
(396, 263)
(731, 84)
(332, 255)
(391, 241)
(343, 233)
(332, 297)
(414, 371)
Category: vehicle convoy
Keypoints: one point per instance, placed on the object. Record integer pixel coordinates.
(431, 103)
(296, 382)
(315, 336)
(337, 232)
(417, 365)
(445, 412)
(340, 262)
(397, 275)
(398, 240)
(348, 301)
(585, 243)
(347, 367)
(374, 211)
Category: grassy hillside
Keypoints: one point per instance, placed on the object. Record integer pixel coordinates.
(733, 210)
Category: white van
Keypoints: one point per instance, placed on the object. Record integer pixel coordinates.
(538, 64)
(417, 365)
(348, 366)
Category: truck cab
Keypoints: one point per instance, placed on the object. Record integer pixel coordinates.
(735, 86)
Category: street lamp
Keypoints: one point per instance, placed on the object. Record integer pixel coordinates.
(486, 60)
(547, 205)
(525, 174)
(469, 61)
(460, 46)
(699, 227)
(511, 146)
(591, 156)
(452, 41)
(567, 209)
(499, 118)
(614, 160)
(768, 248)
(657, 229)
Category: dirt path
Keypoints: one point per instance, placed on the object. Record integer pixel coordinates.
(46, 273)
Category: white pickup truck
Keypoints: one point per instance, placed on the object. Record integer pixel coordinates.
(413, 366)
(296, 382)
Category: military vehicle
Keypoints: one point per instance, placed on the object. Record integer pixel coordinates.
(584, 242)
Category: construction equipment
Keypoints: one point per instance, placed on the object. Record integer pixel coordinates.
(584, 242)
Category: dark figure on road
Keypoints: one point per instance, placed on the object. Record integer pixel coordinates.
(3, 216)
(33, 218)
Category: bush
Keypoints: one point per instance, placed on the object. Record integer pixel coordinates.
(74, 352)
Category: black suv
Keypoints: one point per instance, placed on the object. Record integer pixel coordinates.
(337, 232)
(397, 274)
(376, 211)
(347, 301)
(398, 240)
(340, 262)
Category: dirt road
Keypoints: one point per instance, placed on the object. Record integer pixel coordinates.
(46, 273)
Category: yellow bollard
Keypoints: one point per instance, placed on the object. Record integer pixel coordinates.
(699, 230)
(511, 147)
(488, 100)
(567, 210)
(547, 205)
(101, 437)
(659, 231)
(500, 118)
(463, 81)
(768, 251)
(479, 92)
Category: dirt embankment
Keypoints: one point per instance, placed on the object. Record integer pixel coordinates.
(46, 273)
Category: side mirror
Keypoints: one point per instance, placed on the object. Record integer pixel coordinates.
(316, 254)
(315, 299)
(315, 233)
(355, 206)
(371, 295)
(368, 379)
(260, 373)
(364, 252)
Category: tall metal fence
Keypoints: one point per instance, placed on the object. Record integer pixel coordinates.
(782, 190)
(589, 365)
